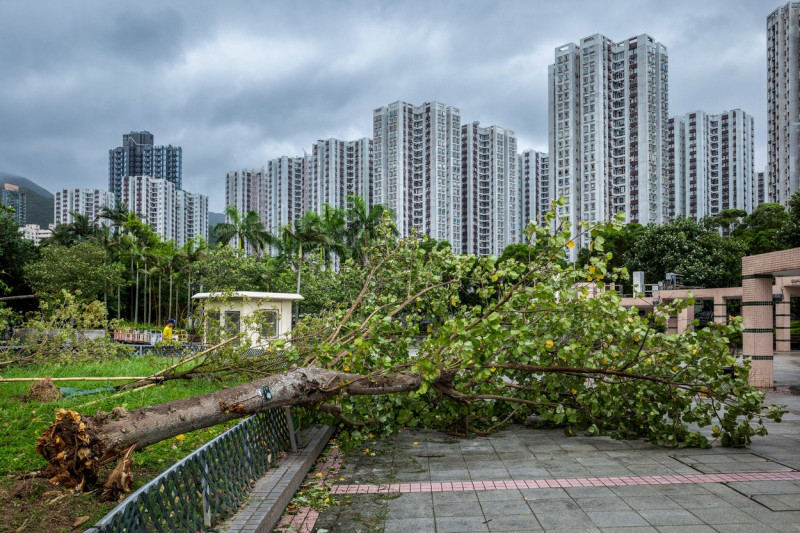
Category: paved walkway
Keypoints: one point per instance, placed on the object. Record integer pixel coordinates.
(539, 480)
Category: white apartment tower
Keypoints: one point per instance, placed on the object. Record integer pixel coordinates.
(191, 216)
(89, 202)
(535, 197)
(285, 191)
(490, 217)
(244, 189)
(710, 164)
(337, 169)
(608, 113)
(172, 213)
(783, 102)
(417, 168)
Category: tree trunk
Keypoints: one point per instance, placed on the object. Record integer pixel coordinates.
(136, 308)
(169, 313)
(76, 445)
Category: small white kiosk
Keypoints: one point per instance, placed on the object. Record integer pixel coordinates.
(232, 310)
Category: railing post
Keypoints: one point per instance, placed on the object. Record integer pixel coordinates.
(290, 425)
(205, 491)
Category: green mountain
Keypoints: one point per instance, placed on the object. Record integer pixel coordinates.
(213, 220)
(39, 201)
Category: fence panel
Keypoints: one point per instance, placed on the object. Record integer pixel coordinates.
(207, 486)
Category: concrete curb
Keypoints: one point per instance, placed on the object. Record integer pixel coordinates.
(273, 492)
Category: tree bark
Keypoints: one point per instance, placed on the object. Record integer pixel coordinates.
(77, 445)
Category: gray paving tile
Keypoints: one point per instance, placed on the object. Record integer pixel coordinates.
(669, 517)
(688, 529)
(411, 506)
(467, 496)
(555, 520)
(723, 515)
(651, 502)
(498, 524)
(591, 492)
(511, 507)
(461, 524)
(616, 518)
(697, 501)
(602, 504)
(454, 509)
(634, 529)
(556, 504)
(498, 495)
(543, 494)
(404, 525)
(746, 527)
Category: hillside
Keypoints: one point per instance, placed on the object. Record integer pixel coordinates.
(39, 199)
(213, 220)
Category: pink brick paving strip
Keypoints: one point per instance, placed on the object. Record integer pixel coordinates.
(460, 486)
(303, 519)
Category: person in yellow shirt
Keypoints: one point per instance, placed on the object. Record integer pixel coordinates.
(166, 336)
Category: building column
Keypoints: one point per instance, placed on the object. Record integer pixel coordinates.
(783, 320)
(757, 317)
(685, 318)
(720, 310)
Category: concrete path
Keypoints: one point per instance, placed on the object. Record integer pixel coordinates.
(539, 480)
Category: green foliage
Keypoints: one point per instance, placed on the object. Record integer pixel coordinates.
(82, 270)
(56, 333)
(533, 342)
(790, 232)
(223, 269)
(704, 257)
(15, 253)
(761, 230)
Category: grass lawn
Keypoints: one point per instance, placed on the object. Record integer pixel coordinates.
(35, 502)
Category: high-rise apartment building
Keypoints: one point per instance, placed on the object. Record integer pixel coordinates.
(244, 190)
(285, 191)
(173, 214)
(761, 187)
(337, 169)
(490, 218)
(11, 196)
(138, 156)
(191, 216)
(783, 102)
(710, 164)
(417, 168)
(89, 202)
(608, 113)
(535, 197)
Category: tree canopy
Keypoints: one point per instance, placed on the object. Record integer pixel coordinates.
(409, 349)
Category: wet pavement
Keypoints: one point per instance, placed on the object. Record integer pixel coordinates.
(539, 480)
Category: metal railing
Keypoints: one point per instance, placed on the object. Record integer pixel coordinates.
(207, 486)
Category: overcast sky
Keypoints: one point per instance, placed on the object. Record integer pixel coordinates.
(238, 83)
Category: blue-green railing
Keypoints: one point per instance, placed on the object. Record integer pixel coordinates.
(207, 486)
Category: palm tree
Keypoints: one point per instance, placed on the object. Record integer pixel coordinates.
(297, 239)
(80, 229)
(333, 223)
(362, 222)
(189, 254)
(244, 229)
(117, 215)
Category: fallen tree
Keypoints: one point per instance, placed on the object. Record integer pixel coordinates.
(465, 344)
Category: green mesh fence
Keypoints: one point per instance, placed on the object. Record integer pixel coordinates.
(207, 486)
